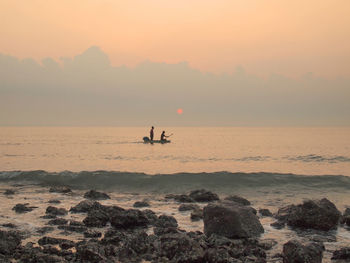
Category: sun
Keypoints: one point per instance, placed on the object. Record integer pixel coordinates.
(179, 111)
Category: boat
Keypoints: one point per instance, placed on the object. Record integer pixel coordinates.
(148, 140)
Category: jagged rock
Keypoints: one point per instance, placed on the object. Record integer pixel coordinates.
(320, 215)
(231, 220)
(294, 251)
(9, 242)
(95, 195)
(151, 216)
(179, 247)
(141, 204)
(343, 253)
(130, 218)
(92, 234)
(96, 218)
(52, 241)
(218, 255)
(203, 195)
(23, 208)
(188, 207)
(54, 201)
(85, 206)
(60, 189)
(166, 221)
(9, 192)
(45, 229)
(237, 199)
(51, 210)
(58, 221)
(90, 252)
(265, 212)
(158, 231)
(278, 224)
(197, 214)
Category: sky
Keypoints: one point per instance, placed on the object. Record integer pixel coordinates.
(185, 63)
(263, 36)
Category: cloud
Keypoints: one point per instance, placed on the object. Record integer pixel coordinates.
(87, 90)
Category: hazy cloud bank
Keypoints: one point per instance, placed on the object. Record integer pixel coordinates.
(87, 90)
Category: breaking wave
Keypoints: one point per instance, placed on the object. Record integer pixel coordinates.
(178, 182)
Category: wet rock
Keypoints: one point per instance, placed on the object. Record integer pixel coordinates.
(294, 251)
(267, 244)
(54, 201)
(23, 208)
(130, 218)
(90, 252)
(237, 199)
(231, 220)
(188, 207)
(45, 229)
(76, 223)
(9, 225)
(92, 234)
(203, 195)
(58, 221)
(85, 206)
(9, 242)
(9, 192)
(151, 216)
(183, 199)
(51, 210)
(320, 215)
(342, 254)
(166, 221)
(60, 189)
(278, 225)
(141, 204)
(73, 228)
(159, 231)
(218, 255)
(323, 238)
(265, 212)
(66, 244)
(96, 218)
(51, 241)
(218, 241)
(179, 247)
(95, 195)
(197, 214)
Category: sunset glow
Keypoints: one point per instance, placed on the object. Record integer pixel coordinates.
(179, 111)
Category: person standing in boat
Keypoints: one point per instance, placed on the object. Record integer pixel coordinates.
(151, 133)
(163, 136)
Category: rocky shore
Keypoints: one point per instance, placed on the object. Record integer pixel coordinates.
(232, 231)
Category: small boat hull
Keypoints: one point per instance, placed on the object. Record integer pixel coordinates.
(147, 140)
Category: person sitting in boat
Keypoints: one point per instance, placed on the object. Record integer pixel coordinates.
(163, 137)
(151, 133)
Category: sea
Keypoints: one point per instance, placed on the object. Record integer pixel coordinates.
(270, 166)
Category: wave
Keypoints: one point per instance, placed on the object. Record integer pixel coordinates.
(319, 158)
(179, 182)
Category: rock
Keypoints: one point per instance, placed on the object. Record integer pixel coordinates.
(85, 206)
(9, 225)
(231, 220)
(188, 207)
(9, 242)
(284, 212)
(265, 212)
(66, 244)
(52, 241)
(76, 223)
(346, 212)
(218, 255)
(58, 221)
(343, 253)
(96, 218)
(267, 244)
(9, 192)
(54, 201)
(130, 218)
(60, 189)
(183, 199)
(159, 231)
(92, 234)
(166, 221)
(151, 216)
(179, 247)
(203, 195)
(90, 252)
(95, 195)
(294, 251)
(72, 228)
(23, 208)
(237, 199)
(197, 214)
(49, 216)
(278, 225)
(141, 204)
(51, 210)
(320, 215)
(45, 229)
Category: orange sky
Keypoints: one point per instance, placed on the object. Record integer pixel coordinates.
(264, 36)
